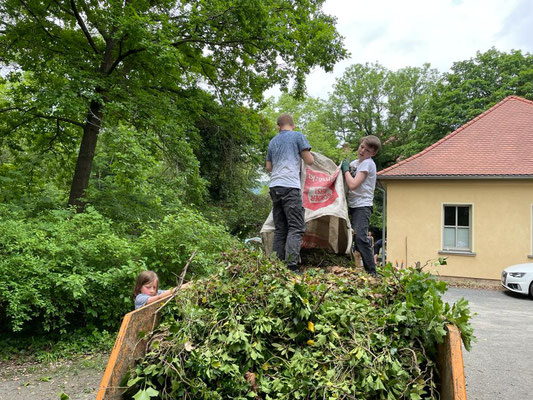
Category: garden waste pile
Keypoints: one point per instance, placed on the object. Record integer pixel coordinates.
(257, 331)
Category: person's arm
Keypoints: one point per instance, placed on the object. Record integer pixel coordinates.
(159, 296)
(307, 156)
(354, 183)
(268, 166)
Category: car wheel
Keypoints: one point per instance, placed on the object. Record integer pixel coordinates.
(531, 289)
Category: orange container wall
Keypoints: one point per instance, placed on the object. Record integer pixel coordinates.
(128, 347)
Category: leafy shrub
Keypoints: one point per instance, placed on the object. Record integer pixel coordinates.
(60, 270)
(167, 245)
(257, 331)
(52, 347)
(245, 215)
(126, 207)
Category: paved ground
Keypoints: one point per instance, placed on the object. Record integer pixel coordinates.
(500, 364)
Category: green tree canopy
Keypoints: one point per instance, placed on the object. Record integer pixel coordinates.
(471, 87)
(83, 66)
(369, 99)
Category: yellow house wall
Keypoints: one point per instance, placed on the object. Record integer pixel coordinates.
(501, 224)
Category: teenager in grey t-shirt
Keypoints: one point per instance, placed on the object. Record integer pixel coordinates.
(284, 152)
(363, 195)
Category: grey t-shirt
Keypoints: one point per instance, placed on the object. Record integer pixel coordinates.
(284, 152)
(141, 299)
(363, 196)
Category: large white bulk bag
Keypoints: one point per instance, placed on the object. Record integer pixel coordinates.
(327, 224)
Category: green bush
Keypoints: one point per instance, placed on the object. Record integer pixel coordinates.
(54, 346)
(60, 270)
(166, 246)
(245, 215)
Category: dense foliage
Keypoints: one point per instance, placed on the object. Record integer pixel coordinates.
(80, 67)
(61, 270)
(164, 99)
(255, 330)
(473, 86)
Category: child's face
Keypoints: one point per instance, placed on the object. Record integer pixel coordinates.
(364, 152)
(150, 288)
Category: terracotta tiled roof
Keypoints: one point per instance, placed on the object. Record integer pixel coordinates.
(497, 143)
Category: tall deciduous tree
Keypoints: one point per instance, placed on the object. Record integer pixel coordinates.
(471, 87)
(372, 100)
(357, 103)
(90, 64)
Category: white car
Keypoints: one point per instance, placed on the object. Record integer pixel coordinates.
(519, 278)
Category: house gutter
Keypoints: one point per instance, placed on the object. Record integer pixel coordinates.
(455, 177)
(380, 187)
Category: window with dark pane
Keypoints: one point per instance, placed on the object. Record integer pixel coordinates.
(456, 234)
(463, 216)
(449, 215)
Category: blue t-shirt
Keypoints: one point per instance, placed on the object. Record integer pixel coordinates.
(284, 152)
(141, 299)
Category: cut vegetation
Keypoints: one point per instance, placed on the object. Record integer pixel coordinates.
(257, 331)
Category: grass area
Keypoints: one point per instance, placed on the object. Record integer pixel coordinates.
(44, 372)
(78, 344)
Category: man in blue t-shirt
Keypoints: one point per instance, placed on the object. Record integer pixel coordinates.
(284, 155)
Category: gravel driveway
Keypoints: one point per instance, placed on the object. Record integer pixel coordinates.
(79, 379)
(500, 364)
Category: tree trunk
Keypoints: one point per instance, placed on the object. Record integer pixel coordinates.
(84, 164)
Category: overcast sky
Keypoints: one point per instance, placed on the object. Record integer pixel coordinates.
(400, 33)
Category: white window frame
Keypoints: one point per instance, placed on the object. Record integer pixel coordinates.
(470, 228)
(531, 234)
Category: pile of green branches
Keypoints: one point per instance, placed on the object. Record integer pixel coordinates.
(258, 331)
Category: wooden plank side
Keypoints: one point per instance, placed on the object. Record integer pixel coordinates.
(451, 367)
(128, 348)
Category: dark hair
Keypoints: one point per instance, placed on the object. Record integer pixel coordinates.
(143, 278)
(372, 141)
(285, 119)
